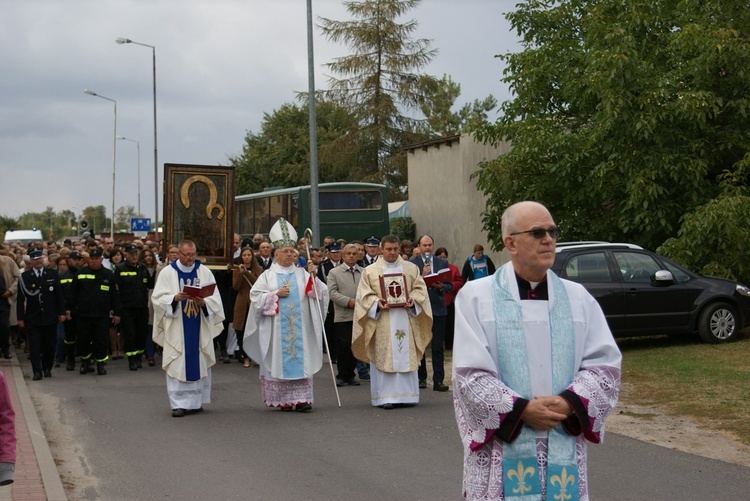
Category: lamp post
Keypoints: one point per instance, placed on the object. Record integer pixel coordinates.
(156, 155)
(114, 157)
(138, 147)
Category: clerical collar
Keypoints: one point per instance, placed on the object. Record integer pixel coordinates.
(526, 291)
(183, 268)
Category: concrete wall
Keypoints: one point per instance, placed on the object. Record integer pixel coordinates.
(443, 201)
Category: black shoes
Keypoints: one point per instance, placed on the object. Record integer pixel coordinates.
(70, 366)
(133, 366)
(47, 373)
(185, 412)
(100, 370)
(84, 367)
(305, 407)
(388, 407)
(422, 384)
(340, 382)
(439, 387)
(7, 355)
(351, 382)
(37, 376)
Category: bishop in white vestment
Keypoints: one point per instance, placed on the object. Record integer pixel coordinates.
(283, 332)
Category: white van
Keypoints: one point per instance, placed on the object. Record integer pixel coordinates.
(25, 236)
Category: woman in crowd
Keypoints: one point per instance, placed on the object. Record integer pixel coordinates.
(148, 259)
(407, 247)
(477, 265)
(442, 253)
(66, 282)
(244, 276)
(116, 341)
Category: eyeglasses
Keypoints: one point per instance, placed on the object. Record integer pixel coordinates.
(539, 233)
(189, 256)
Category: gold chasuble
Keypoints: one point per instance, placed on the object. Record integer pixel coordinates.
(378, 340)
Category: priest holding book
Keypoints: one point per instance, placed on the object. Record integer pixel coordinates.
(185, 324)
(392, 326)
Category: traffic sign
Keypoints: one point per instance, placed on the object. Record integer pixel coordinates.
(140, 224)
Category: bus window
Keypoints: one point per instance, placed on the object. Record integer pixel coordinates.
(350, 200)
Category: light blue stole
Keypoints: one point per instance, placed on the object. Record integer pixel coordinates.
(292, 347)
(521, 480)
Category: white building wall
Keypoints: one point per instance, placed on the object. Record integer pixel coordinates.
(443, 201)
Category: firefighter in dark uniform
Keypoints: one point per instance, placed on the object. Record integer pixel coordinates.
(66, 281)
(95, 298)
(40, 307)
(133, 282)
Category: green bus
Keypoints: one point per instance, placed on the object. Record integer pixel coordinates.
(352, 211)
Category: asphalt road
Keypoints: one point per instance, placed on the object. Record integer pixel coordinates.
(114, 438)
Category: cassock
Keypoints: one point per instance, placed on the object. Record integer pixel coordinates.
(186, 334)
(284, 335)
(393, 341)
(507, 350)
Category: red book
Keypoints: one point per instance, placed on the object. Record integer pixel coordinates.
(204, 292)
(443, 275)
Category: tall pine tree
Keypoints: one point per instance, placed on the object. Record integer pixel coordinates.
(380, 82)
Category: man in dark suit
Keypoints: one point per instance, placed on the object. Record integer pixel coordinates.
(427, 263)
(40, 307)
(333, 259)
(264, 256)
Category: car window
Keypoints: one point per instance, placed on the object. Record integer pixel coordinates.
(590, 267)
(680, 276)
(636, 267)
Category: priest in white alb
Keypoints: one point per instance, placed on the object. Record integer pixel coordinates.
(185, 327)
(392, 338)
(283, 332)
(535, 371)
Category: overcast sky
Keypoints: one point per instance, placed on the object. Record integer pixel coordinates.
(220, 65)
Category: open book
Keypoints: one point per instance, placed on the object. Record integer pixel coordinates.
(203, 291)
(443, 275)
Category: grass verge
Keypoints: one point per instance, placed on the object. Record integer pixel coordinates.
(685, 377)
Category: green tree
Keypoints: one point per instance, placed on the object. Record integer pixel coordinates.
(712, 239)
(627, 115)
(96, 217)
(380, 82)
(438, 102)
(122, 217)
(8, 222)
(279, 155)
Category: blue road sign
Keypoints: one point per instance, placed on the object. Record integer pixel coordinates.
(140, 224)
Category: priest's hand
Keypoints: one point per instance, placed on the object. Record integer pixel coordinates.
(382, 305)
(539, 414)
(283, 291)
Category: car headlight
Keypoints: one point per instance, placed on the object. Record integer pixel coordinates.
(745, 291)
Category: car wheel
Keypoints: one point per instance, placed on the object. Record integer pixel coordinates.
(718, 323)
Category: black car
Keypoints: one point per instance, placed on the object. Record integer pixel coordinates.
(643, 293)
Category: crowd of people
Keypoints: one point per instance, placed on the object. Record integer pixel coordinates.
(536, 370)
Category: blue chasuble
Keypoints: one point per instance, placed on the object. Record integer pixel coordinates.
(191, 324)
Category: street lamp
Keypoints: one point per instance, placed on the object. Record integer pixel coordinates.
(114, 157)
(138, 147)
(121, 41)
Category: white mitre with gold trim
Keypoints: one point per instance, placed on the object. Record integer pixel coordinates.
(282, 234)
